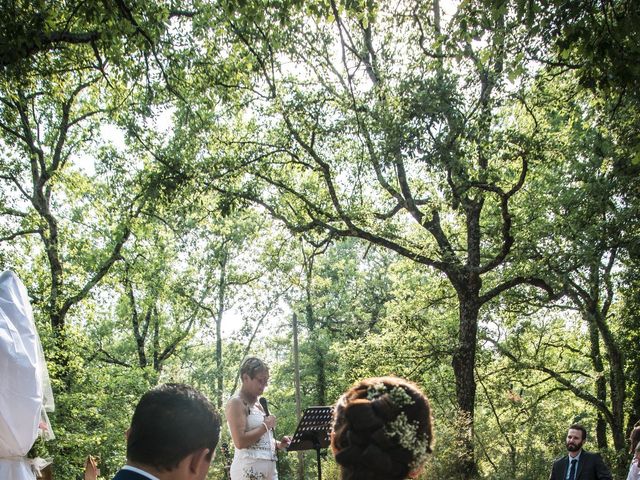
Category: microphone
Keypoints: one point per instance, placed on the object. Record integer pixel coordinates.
(265, 407)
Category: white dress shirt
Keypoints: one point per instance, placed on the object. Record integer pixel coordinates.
(141, 472)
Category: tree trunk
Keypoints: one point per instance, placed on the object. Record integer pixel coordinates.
(617, 384)
(463, 362)
(296, 377)
(601, 382)
(221, 307)
(467, 284)
(634, 414)
(321, 374)
(51, 243)
(595, 313)
(631, 322)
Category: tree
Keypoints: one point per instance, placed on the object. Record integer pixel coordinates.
(43, 128)
(229, 272)
(150, 319)
(630, 335)
(416, 152)
(594, 223)
(344, 289)
(116, 38)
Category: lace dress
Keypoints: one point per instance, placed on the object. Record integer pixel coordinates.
(634, 471)
(258, 461)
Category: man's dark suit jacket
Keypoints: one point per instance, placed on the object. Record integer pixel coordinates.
(129, 475)
(590, 467)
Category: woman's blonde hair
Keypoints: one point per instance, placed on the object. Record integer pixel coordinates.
(252, 366)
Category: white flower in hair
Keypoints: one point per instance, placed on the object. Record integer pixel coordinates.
(406, 433)
(376, 390)
(398, 395)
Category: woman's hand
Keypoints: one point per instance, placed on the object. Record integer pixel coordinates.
(284, 443)
(270, 421)
(91, 470)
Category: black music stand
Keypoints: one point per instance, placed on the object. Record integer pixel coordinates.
(313, 432)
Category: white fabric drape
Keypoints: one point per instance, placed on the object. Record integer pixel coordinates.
(25, 390)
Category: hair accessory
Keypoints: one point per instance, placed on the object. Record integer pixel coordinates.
(398, 395)
(400, 428)
(406, 433)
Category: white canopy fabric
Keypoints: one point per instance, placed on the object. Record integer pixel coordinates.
(25, 390)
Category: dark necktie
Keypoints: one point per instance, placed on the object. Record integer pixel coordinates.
(572, 470)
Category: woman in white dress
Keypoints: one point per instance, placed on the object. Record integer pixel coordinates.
(634, 468)
(251, 429)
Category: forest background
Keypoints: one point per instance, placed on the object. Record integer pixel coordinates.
(344, 188)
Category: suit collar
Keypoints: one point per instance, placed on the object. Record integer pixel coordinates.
(140, 472)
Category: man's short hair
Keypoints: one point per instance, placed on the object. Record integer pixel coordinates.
(170, 422)
(577, 426)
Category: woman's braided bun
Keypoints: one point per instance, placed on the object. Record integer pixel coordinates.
(382, 429)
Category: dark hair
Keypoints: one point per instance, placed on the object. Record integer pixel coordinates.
(634, 438)
(577, 426)
(382, 429)
(170, 422)
(252, 366)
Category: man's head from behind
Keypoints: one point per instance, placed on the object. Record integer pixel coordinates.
(173, 427)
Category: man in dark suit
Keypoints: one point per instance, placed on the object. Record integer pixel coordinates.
(174, 432)
(579, 464)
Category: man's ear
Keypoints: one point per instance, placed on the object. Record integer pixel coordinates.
(126, 433)
(200, 460)
(416, 473)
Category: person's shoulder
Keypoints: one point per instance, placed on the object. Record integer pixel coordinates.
(587, 454)
(559, 459)
(592, 457)
(234, 403)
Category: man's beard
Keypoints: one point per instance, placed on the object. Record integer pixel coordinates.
(572, 447)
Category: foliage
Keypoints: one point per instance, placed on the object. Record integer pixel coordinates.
(93, 409)
(452, 198)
